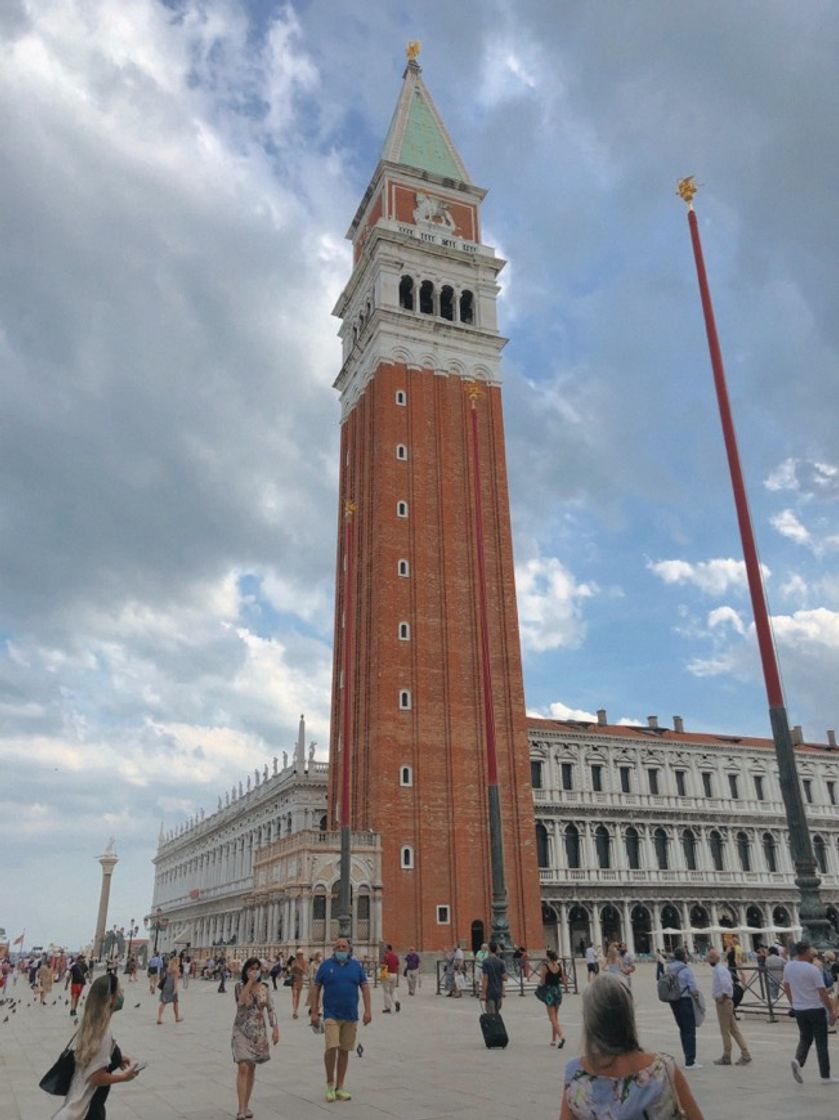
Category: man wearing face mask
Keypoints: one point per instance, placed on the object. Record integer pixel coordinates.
(341, 977)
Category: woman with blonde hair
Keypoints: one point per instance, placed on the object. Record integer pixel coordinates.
(169, 991)
(99, 1062)
(615, 1079)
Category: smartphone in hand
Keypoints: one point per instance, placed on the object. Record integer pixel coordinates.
(139, 1066)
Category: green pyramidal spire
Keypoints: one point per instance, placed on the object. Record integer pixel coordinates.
(417, 136)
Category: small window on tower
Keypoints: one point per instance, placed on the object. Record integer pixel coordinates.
(401, 397)
(442, 915)
(406, 293)
(467, 307)
(401, 451)
(404, 632)
(447, 303)
(407, 858)
(405, 699)
(426, 300)
(406, 776)
(403, 568)
(401, 509)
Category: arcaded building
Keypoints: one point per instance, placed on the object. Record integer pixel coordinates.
(643, 829)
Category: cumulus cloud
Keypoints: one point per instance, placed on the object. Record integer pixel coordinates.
(558, 710)
(807, 477)
(550, 602)
(788, 525)
(726, 616)
(712, 577)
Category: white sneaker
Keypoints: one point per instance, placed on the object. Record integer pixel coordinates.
(829, 1080)
(796, 1071)
(695, 1065)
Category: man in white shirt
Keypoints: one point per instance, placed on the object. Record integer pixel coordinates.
(722, 993)
(591, 963)
(807, 995)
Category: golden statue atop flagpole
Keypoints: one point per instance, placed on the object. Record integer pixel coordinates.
(686, 188)
(413, 49)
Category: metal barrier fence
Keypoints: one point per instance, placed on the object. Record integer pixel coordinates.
(521, 977)
(763, 994)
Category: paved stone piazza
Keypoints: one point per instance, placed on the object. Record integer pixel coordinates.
(427, 1063)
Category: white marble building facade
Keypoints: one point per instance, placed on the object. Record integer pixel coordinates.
(261, 873)
(645, 829)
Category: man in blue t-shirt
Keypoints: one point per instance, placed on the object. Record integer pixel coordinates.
(340, 978)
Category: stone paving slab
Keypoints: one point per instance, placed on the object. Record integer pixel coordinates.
(427, 1063)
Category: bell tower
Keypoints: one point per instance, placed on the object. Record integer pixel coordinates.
(419, 328)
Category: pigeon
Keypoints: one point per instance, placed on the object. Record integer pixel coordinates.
(359, 1050)
(136, 1005)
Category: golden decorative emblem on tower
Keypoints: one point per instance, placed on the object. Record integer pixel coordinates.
(349, 508)
(473, 392)
(413, 49)
(686, 188)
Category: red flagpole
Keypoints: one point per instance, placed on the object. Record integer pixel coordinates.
(345, 896)
(811, 910)
(771, 675)
(500, 924)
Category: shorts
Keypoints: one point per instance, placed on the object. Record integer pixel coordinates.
(340, 1033)
(595, 968)
(76, 989)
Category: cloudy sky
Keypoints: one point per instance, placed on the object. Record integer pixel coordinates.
(175, 183)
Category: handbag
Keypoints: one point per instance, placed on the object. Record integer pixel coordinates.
(541, 993)
(58, 1077)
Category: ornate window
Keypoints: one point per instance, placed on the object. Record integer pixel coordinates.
(744, 851)
(626, 779)
(572, 845)
(401, 397)
(406, 293)
(770, 851)
(536, 773)
(426, 298)
(542, 845)
(708, 783)
(715, 842)
(404, 632)
(447, 303)
(405, 699)
(406, 776)
(443, 916)
(401, 509)
(633, 849)
(601, 844)
(689, 846)
(820, 852)
(406, 858)
(662, 849)
(401, 452)
(403, 568)
(467, 307)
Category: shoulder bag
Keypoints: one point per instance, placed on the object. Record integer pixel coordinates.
(56, 1080)
(680, 1113)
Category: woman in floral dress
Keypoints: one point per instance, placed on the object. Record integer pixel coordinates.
(250, 1034)
(615, 1079)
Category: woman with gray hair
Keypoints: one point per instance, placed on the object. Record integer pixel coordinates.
(615, 1079)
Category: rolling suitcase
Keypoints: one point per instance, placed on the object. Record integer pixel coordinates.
(494, 1031)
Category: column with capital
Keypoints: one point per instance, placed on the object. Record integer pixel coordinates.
(108, 860)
